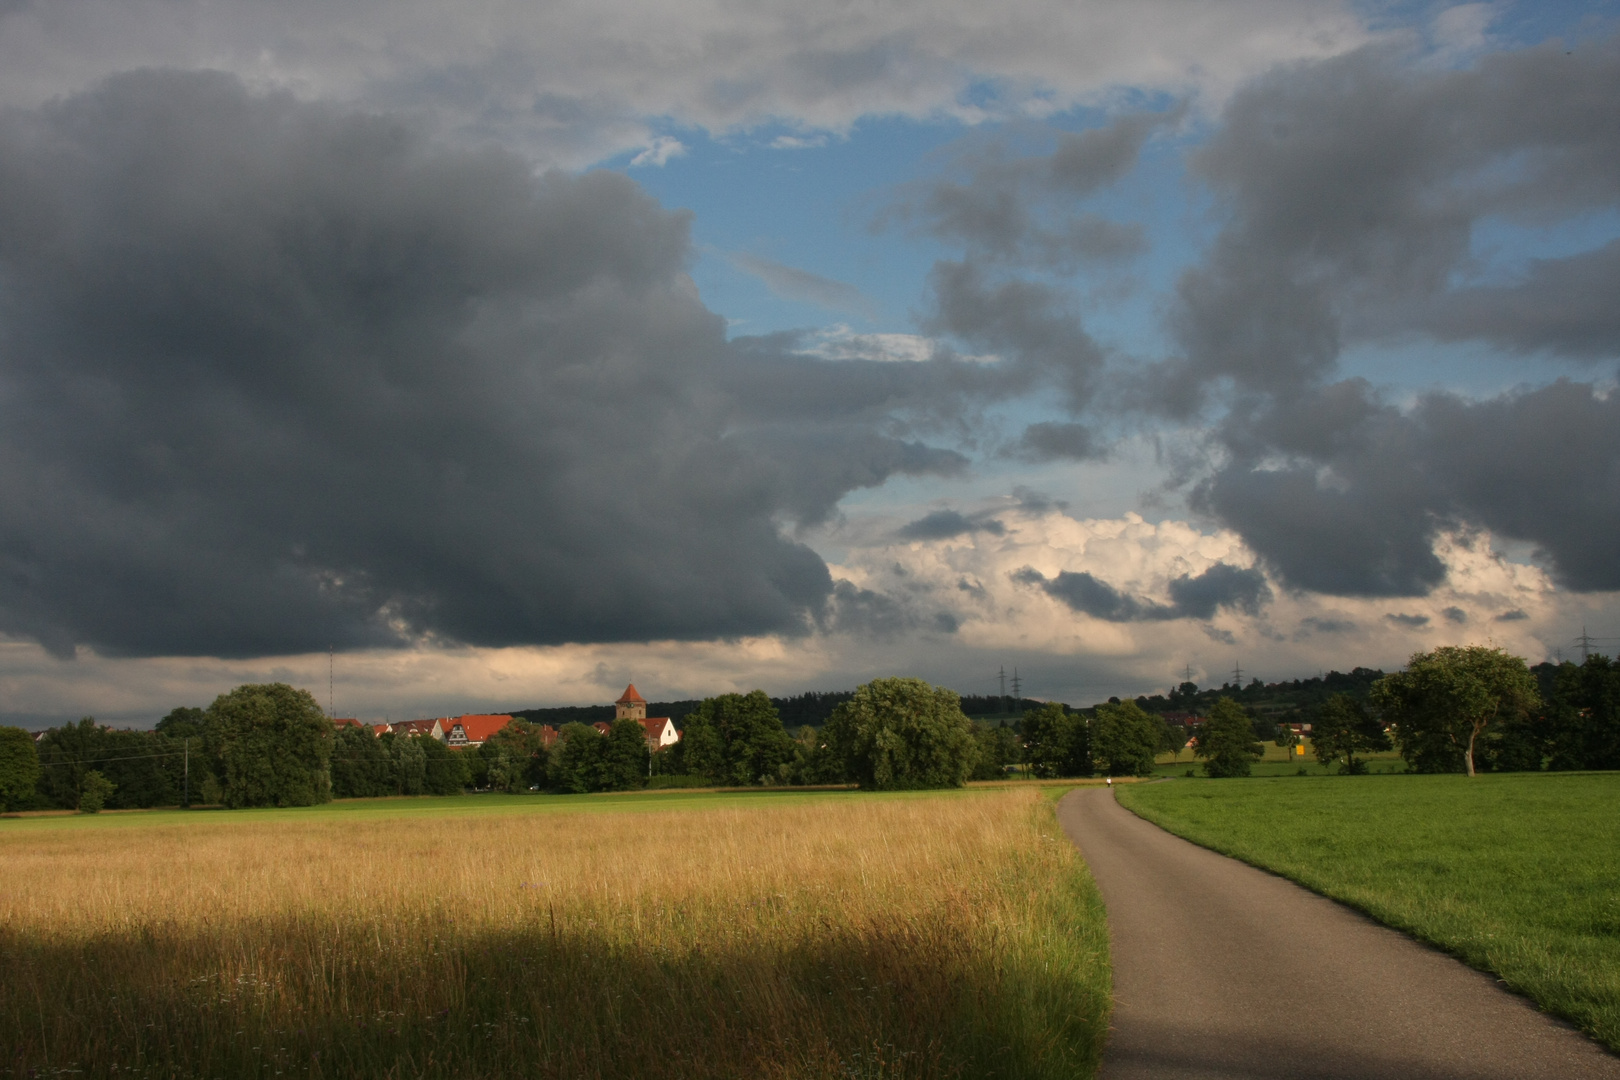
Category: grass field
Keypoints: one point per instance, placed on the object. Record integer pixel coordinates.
(1518, 874)
(684, 935)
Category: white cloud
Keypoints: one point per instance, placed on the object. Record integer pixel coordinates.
(840, 342)
(659, 151)
(575, 80)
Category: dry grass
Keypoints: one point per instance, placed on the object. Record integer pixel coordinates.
(915, 937)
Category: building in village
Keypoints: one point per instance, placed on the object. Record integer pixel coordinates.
(659, 731)
(473, 729)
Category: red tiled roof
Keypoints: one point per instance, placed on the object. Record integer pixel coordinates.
(414, 727)
(631, 697)
(479, 727)
(603, 726)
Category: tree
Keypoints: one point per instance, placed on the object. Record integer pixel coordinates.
(276, 744)
(737, 740)
(577, 758)
(361, 765)
(1226, 740)
(446, 769)
(1583, 716)
(998, 748)
(1056, 743)
(19, 766)
(813, 759)
(1342, 729)
(625, 757)
(93, 792)
(902, 734)
(515, 758)
(1124, 739)
(1288, 735)
(1446, 699)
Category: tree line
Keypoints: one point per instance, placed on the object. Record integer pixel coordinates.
(1453, 709)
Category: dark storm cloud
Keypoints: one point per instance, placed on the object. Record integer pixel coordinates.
(1411, 622)
(1511, 616)
(274, 377)
(945, 524)
(1053, 441)
(1191, 597)
(1354, 187)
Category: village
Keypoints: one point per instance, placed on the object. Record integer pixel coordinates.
(472, 730)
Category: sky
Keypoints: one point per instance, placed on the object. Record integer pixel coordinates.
(447, 358)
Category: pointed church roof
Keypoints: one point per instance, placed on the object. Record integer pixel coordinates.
(631, 697)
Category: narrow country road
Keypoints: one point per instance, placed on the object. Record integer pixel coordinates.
(1224, 971)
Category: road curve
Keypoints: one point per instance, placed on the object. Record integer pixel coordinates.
(1225, 971)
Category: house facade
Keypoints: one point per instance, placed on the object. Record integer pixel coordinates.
(473, 729)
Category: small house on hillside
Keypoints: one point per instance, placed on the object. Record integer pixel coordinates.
(347, 721)
(473, 730)
(659, 731)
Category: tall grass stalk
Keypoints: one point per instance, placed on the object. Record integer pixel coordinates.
(923, 937)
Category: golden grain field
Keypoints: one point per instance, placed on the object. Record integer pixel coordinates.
(926, 936)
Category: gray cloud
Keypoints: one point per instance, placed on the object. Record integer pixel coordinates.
(1511, 616)
(1019, 210)
(945, 524)
(1353, 188)
(278, 377)
(1191, 597)
(1411, 622)
(1050, 441)
(1455, 615)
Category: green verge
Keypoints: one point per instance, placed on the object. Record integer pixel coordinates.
(1515, 874)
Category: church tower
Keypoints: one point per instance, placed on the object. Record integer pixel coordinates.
(632, 706)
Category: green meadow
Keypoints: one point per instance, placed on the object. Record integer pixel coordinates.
(1516, 874)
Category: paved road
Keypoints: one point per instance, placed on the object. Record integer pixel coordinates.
(1224, 971)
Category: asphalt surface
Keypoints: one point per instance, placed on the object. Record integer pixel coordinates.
(1223, 971)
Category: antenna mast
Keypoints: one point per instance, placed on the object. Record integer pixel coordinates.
(331, 667)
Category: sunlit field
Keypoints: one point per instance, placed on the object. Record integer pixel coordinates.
(837, 936)
(1516, 873)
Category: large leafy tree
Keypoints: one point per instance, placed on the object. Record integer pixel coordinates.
(447, 771)
(1226, 740)
(737, 739)
(1125, 739)
(577, 759)
(19, 766)
(276, 744)
(1447, 699)
(903, 733)
(1583, 718)
(999, 746)
(625, 757)
(145, 767)
(1344, 728)
(1056, 742)
(361, 765)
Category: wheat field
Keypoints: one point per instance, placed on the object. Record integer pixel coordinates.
(925, 936)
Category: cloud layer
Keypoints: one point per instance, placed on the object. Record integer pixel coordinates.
(278, 377)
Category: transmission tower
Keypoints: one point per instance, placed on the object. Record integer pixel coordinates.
(331, 668)
(1585, 643)
(1002, 675)
(1237, 676)
(1018, 686)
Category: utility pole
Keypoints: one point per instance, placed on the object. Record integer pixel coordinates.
(188, 772)
(331, 665)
